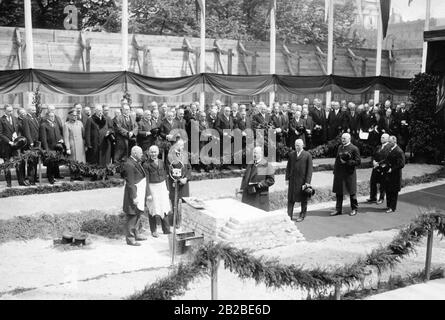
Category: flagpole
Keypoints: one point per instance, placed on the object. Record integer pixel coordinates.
(378, 64)
(330, 60)
(272, 48)
(202, 60)
(124, 33)
(427, 28)
(28, 97)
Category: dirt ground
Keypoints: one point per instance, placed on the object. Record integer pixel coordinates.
(109, 269)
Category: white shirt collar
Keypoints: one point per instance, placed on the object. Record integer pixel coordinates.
(345, 145)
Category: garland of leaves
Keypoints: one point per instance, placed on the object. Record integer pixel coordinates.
(274, 274)
(84, 169)
(64, 187)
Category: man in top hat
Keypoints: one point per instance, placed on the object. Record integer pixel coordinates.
(135, 194)
(298, 176)
(395, 160)
(345, 177)
(8, 133)
(259, 176)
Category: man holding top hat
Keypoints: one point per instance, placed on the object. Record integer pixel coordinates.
(298, 176)
(135, 194)
(258, 178)
(395, 160)
(345, 177)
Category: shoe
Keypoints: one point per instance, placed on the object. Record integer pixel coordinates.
(133, 243)
(335, 213)
(52, 181)
(389, 211)
(300, 218)
(141, 238)
(155, 235)
(371, 201)
(353, 213)
(380, 201)
(8, 185)
(32, 183)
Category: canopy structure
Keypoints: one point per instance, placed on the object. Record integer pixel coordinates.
(98, 83)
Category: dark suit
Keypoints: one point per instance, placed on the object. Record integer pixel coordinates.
(20, 168)
(393, 180)
(32, 127)
(262, 173)
(390, 125)
(6, 152)
(124, 143)
(49, 137)
(133, 173)
(345, 176)
(297, 130)
(318, 135)
(353, 124)
(308, 125)
(298, 173)
(336, 124)
(403, 132)
(99, 146)
(222, 124)
(379, 156)
(143, 140)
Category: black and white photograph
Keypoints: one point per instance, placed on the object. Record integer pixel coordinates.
(240, 151)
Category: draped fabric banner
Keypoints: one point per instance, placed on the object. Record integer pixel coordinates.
(97, 83)
(239, 85)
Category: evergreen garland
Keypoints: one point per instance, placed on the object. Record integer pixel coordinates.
(274, 274)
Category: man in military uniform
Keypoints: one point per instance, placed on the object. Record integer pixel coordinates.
(345, 177)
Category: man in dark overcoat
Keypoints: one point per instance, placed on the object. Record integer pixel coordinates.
(97, 131)
(378, 159)
(20, 169)
(31, 128)
(259, 176)
(134, 203)
(395, 160)
(345, 176)
(8, 133)
(298, 174)
(50, 137)
(126, 129)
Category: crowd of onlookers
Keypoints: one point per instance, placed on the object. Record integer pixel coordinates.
(95, 136)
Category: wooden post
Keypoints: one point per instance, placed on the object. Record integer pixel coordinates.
(429, 250)
(124, 33)
(214, 279)
(427, 28)
(378, 65)
(229, 62)
(272, 59)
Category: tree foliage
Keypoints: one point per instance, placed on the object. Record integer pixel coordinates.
(297, 21)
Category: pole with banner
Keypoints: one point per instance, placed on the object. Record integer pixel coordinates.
(272, 13)
(202, 55)
(330, 60)
(427, 28)
(29, 46)
(378, 64)
(124, 34)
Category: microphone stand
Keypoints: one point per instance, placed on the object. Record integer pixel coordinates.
(175, 210)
